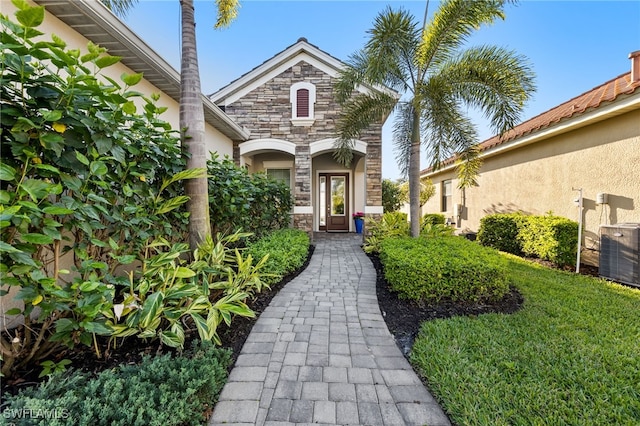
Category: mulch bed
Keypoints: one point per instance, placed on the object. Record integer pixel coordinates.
(132, 350)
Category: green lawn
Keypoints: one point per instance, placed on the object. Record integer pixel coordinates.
(571, 356)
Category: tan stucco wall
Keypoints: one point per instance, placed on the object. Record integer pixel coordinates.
(538, 178)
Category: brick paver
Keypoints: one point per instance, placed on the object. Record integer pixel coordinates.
(321, 353)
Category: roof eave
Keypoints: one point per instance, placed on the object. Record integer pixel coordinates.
(622, 105)
(97, 23)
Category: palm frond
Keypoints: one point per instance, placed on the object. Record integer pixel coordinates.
(120, 7)
(227, 12)
(497, 81)
(452, 24)
(359, 113)
(402, 128)
(445, 128)
(468, 167)
(352, 75)
(391, 49)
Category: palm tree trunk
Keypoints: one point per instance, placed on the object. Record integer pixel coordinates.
(192, 128)
(414, 175)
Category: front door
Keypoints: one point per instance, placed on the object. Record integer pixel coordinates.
(334, 201)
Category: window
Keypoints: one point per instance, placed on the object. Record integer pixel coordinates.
(446, 195)
(303, 97)
(282, 175)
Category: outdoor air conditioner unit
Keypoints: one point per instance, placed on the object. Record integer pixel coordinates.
(620, 253)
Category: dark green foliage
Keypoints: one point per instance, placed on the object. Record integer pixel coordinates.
(552, 238)
(433, 219)
(163, 390)
(429, 270)
(500, 231)
(287, 250)
(87, 170)
(254, 203)
(393, 196)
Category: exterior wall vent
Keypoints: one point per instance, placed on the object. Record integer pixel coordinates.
(620, 253)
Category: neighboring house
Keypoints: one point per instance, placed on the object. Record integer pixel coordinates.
(288, 106)
(591, 142)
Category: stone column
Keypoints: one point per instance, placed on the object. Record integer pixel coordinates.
(303, 210)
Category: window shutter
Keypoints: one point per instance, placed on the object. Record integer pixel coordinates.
(302, 103)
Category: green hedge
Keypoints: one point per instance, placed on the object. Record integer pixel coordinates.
(287, 250)
(433, 219)
(500, 231)
(552, 238)
(429, 270)
(163, 390)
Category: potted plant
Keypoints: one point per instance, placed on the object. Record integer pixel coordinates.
(358, 218)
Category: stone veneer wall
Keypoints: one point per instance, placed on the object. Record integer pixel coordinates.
(266, 113)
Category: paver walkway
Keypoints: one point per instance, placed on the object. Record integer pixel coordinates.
(321, 353)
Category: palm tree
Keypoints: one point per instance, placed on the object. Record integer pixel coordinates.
(440, 81)
(191, 110)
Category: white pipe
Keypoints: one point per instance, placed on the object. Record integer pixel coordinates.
(579, 228)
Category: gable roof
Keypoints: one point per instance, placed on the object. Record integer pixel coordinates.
(302, 50)
(97, 23)
(614, 97)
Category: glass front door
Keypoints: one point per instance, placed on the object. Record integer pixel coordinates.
(334, 201)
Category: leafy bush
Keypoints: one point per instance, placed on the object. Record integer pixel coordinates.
(81, 176)
(501, 231)
(549, 237)
(254, 203)
(163, 390)
(433, 219)
(392, 224)
(393, 195)
(88, 180)
(287, 250)
(171, 295)
(429, 270)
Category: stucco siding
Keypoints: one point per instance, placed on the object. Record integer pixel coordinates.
(542, 177)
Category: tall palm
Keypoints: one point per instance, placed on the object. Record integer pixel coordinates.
(439, 81)
(191, 110)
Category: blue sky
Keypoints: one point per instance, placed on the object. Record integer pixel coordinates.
(572, 46)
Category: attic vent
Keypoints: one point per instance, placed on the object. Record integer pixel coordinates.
(620, 253)
(303, 97)
(302, 109)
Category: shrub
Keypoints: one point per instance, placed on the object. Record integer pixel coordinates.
(429, 270)
(163, 390)
(287, 250)
(500, 231)
(85, 172)
(392, 224)
(254, 203)
(393, 196)
(433, 219)
(550, 238)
